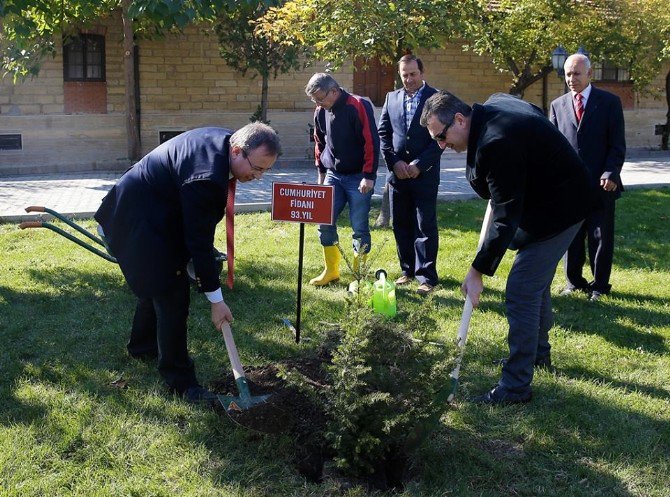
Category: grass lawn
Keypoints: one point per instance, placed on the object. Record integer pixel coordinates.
(598, 425)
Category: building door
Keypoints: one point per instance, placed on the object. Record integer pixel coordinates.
(374, 81)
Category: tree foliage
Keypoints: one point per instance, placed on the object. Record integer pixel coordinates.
(29, 27)
(346, 29)
(247, 49)
(519, 35)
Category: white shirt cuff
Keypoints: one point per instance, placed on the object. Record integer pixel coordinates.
(214, 297)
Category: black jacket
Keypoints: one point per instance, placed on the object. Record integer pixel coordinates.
(164, 211)
(537, 183)
(599, 138)
(346, 137)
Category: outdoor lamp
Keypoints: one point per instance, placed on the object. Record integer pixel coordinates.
(583, 51)
(558, 57)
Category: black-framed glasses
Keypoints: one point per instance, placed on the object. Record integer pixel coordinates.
(254, 168)
(443, 135)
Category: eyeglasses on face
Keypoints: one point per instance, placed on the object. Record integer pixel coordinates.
(254, 168)
(319, 101)
(443, 135)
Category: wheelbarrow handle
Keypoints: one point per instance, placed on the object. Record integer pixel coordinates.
(72, 224)
(31, 224)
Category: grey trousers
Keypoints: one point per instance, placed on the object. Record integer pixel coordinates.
(528, 307)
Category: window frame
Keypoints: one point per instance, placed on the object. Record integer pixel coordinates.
(84, 39)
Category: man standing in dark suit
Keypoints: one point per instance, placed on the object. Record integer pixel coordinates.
(592, 121)
(413, 159)
(539, 196)
(163, 212)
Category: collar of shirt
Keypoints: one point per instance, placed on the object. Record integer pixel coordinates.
(585, 95)
(416, 94)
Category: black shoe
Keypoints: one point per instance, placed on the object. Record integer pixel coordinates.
(501, 396)
(200, 395)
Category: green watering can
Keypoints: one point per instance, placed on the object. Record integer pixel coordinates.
(383, 295)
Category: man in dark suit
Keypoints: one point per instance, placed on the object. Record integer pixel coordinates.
(163, 212)
(413, 160)
(539, 196)
(592, 121)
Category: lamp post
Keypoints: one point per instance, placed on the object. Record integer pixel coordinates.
(558, 57)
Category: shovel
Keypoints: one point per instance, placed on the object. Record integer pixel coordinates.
(467, 314)
(244, 400)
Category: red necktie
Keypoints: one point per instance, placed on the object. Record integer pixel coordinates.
(230, 231)
(579, 108)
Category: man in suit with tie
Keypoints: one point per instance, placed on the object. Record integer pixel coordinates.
(163, 212)
(592, 121)
(413, 160)
(539, 196)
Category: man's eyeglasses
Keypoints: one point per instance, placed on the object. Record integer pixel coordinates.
(319, 101)
(256, 169)
(443, 135)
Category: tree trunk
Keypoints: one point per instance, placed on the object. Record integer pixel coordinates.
(132, 131)
(264, 98)
(666, 131)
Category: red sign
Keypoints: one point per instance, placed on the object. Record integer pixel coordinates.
(300, 203)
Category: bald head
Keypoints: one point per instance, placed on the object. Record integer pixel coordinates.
(577, 72)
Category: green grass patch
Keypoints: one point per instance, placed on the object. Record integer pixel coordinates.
(598, 425)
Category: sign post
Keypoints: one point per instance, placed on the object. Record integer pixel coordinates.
(301, 203)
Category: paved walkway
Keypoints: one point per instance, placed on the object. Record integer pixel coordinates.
(79, 194)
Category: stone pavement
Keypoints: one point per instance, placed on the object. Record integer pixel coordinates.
(79, 194)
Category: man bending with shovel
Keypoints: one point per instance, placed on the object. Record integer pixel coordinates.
(539, 195)
(163, 212)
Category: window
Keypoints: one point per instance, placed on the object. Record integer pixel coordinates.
(606, 71)
(84, 58)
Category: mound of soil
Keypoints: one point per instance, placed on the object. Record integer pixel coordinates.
(291, 411)
(287, 410)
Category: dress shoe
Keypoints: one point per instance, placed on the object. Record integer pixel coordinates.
(200, 395)
(501, 396)
(425, 289)
(404, 280)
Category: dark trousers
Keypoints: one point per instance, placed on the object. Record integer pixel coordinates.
(413, 207)
(598, 233)
(528, 307)
(159, 329)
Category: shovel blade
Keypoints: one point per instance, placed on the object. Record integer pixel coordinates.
(233, 403)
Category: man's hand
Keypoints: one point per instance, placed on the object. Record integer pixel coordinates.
(473, 286)
(412, 171)
(607, 184)
(221, 314)
(366, 185)
(321, 178)
(400, 169)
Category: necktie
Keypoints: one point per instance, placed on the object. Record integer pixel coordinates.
(230, 231)
(579, 108)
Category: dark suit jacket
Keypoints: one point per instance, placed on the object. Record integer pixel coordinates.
(537, 183)
(414, 143)
(599, 139)
(164, 210)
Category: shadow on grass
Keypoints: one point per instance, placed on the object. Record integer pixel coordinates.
(604, 318)
(569, 440)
